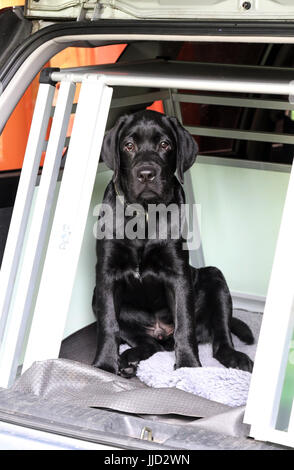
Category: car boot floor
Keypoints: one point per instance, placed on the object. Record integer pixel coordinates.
(69, 396)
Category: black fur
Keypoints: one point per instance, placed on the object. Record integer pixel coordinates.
(147, 295)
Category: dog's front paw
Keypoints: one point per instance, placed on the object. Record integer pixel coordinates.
(235, 359)
(128, 364)
(129, 370)
(184, 360)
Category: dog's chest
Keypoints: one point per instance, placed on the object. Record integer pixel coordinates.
(151, 261)
(143, 263)
(145, 293)
(146, 265)
(142, 286)
(137, 273)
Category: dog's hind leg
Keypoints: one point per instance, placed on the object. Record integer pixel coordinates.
(215, 316)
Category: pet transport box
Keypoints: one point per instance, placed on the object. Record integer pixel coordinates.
(47, 377)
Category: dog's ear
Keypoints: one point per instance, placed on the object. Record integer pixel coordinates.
(110, 147)
(187, 148)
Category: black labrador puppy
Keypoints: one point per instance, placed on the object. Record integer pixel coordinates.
(147, 295)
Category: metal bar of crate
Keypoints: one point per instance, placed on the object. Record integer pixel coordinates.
(131, 100)
(23, 200)
(277, 328)
(241, 134)
(191, 76)
(69, 222)
(228, 134)
(196, 253)
(21, 307)
(256, 103)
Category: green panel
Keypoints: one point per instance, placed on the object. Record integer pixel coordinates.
(80, 312)
(241, 211)
(287, 395)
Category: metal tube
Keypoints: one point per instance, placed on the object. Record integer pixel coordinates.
(190, 76)
(23, 200)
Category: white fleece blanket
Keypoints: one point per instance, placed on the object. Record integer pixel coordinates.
(212, 381)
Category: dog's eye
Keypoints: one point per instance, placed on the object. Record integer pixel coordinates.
(164, 145)
(129, 146)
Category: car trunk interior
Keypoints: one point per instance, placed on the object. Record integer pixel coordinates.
(239, 181)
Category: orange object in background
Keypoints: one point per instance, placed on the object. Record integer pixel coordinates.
(15, 134)
(79, 56)
(157, 106)
(11, 3)
(14, 137)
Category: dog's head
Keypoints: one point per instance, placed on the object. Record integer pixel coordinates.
(144, 150)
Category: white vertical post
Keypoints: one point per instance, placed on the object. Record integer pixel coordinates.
(195, 249)
(69, 222)
(291, 421)
(276, 329)
(19, 314)
(23, 199)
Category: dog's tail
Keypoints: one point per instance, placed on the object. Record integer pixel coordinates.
(240, 329)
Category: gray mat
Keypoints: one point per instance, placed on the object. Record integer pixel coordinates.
(61, 392)
(65, 381)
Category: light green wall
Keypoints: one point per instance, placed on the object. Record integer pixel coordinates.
(241, 211)
(80, 311)
(240, 215)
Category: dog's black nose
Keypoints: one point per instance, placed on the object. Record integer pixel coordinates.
(145, 175)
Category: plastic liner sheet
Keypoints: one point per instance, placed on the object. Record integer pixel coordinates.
(65, 394)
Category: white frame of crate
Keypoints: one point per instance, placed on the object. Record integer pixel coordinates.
(69, 224)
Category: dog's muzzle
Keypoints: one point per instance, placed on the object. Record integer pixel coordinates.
(146, 174)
